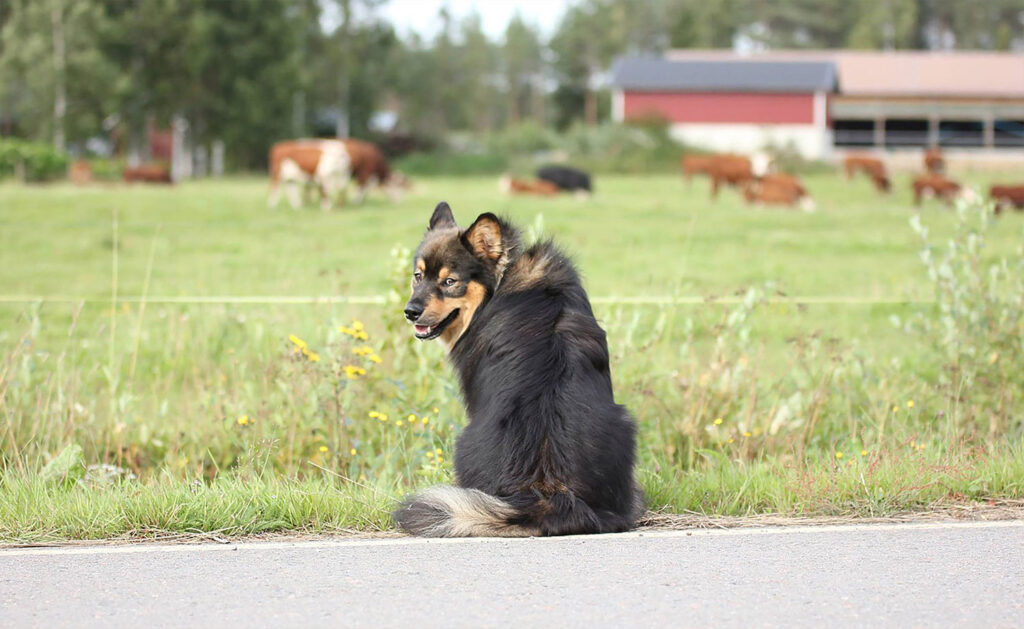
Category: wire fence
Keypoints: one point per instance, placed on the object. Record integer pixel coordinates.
(380, 300)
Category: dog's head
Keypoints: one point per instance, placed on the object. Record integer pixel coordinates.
(454, 273)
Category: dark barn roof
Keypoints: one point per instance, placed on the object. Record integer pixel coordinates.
(659, 74)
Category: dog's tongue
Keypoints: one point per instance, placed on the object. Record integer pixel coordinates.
(422, 329)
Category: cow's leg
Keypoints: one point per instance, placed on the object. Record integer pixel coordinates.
(275, 195)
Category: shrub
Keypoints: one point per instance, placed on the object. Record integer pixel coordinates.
(32, 160)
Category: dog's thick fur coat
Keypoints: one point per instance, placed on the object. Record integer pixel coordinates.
(547, 450)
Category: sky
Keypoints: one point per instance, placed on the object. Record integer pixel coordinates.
(421, 15)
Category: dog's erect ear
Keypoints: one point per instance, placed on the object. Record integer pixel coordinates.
(442, 217)
(484, 239)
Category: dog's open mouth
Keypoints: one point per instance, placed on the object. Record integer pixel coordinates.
(427, 332)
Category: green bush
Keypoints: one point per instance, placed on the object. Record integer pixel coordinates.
(32, 160)
(453, 164)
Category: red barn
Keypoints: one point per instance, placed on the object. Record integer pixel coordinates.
(735, 105)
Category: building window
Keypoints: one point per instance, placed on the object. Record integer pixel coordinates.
(854, 132)
(1009, 133)
(906, 132)
(961, 133)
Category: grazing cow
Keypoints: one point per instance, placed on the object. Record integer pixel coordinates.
(147, 173)
(934, 185)
(511, 185)
(696, 165)
(934, 162)
(370, 168)
(1003, 196)
(568, 179)
(733, 170)
(779, 189)
(295, 163)
(870, 166)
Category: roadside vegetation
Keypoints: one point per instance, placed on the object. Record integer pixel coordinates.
(859, 361)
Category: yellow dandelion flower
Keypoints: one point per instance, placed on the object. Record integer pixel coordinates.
(746, 434)
(398, 422)
(895, 409)
(373, 414)
(296, 341)
(839, 455)
(357, 325)
(352, 372)
(383, 417)
(430, 455)
(437, 451)
(730, 440)
(323, 448)
(436, 410)
(440, 459)
(361, 335)
(373, 358)
(411, 418)
(312, 356)
(425, 420)
(910, 403)
(243, 420)
(718, 421)
(352, 451)
(923, 446)
(863, 452)
(346, 330)
(913, 444)
(365, 350)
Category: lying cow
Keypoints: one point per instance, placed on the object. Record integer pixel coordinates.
(870, 166)
(147, 173)
(779, 189)
(296, 163)
(371, 169)
(568, 179)
(934, 162)
(1007, 196)
(511, 185)
(937, 186)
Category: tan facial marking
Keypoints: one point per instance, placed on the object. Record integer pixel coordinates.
(467, 305)
(421, 266)
(443, 273)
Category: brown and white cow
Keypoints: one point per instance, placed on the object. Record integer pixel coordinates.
(1007, 196)
(932, 185)
(296, 163)
(779, 189)
(146, 173)
(737, 170)
(692, 165)
(870, 166)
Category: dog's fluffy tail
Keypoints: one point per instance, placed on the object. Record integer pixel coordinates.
(446, 511)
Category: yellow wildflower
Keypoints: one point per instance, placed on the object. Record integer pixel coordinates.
(398, 422)
(730, 440)
(746, 434)
(352, 451)
(430, 455)
(425, 419)
(863, 452)
(357, 325)
(365, 350)
(839, 455)
(297, 342)
(440, 459)
(374, 358)
(312, 356)
(378, 415)
(243, 420)
(323, 448)
(895, 409)
(411, 418)
(437, 451)
(910, 404)
(718, 421)
(436, 410)
(352, 372)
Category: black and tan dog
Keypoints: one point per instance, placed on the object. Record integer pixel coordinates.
(547, 450)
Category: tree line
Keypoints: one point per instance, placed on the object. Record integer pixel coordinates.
(249, 72)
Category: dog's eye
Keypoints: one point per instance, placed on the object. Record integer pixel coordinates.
(417, 276)
(450, 281)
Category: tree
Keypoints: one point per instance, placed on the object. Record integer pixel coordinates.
(523, 64)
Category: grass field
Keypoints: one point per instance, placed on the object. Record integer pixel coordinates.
(799, 386)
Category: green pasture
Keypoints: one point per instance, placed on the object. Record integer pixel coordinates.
(150, 327)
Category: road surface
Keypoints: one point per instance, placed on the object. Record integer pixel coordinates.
(935, 575)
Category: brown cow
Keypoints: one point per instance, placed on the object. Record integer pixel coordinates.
(370, 168)
(147, 173)
(696, 165)
(81, 172)
(870, 166)
(733, 170)
(934, 162)
(933, 185)
(1003, 196)
(511, 185)
(779, 189)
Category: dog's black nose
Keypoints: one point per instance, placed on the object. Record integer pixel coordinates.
(413, 311)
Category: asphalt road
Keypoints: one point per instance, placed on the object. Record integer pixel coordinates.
(959, 575)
